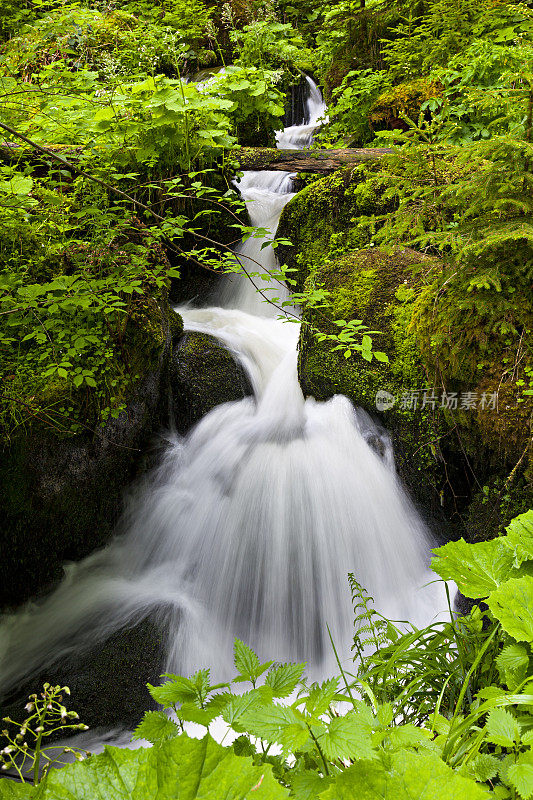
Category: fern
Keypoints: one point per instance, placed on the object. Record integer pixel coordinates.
(371, 628)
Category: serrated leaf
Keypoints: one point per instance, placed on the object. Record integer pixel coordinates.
(485, 767)
(513, 664)
(411, 776)
(240, 705)
(512, 605)
(177, 689)
(520, 537)
(155, 726)
(409, 736)
(477, 569)
(246, 661)
(178, 769)
(502, 728)
(321, 696)
(278, 724)
(520, 775)
(347, 737)
(284, 679)
(189, 712)
(308, 785)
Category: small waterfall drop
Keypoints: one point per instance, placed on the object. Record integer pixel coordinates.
(252, 521)
(296, 137)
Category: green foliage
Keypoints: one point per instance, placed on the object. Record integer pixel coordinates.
(264, 41)
(175, 769)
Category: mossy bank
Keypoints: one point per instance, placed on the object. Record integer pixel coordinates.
(458, 435)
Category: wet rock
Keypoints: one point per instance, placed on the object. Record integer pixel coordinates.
(107, 682)
(60, 497)
(203, 374)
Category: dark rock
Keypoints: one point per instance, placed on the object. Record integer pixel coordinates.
(203, 374)
(107, 682)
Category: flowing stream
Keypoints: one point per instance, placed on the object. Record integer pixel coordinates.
(252, 521)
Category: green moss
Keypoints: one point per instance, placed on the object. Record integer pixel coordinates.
(443, 455)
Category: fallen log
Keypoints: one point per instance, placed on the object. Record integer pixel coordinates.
(322, 161)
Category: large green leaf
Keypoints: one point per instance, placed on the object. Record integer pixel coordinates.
(512, 604)
(520, 775)
(410, 776)
(520, 536)
(477, 569)
(13, 790)
(155, 726)
(502, 728)
(178, 769)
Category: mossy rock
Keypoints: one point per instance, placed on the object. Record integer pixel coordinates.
(378, 287)
(405, 99)
(444, 454)
(321, 221)
(203, 374)
(60, 497)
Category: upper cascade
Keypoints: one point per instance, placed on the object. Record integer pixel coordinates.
(296, 137)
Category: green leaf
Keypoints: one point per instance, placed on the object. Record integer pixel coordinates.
(240, 705)
(485, 767)
(513, 663)
(247, 663)
(347, 737)
(277, 724)
(155, 726)
(409, 736)
(320, 696)
(411, 776)
(502, 728)
(284, 679)
(173, 691)
(512, 605)
(13, 790)
(477, 569)
(308, 785)
(520, 537)
(520, 775)
(177, 769)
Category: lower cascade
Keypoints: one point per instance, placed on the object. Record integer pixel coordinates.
(252, 521)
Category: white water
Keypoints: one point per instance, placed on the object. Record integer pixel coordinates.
(251, 523)
(296, 137)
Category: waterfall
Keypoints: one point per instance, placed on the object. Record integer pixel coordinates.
(297, 137)
(251, 522)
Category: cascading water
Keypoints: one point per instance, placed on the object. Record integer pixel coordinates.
(251, 523)
(297, 137)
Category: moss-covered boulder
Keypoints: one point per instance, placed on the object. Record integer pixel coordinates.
(203, 374)
(458, 433)
(62, 494)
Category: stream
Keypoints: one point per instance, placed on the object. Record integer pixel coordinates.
(250, 523)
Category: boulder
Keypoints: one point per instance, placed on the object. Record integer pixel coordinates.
(203, 374)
